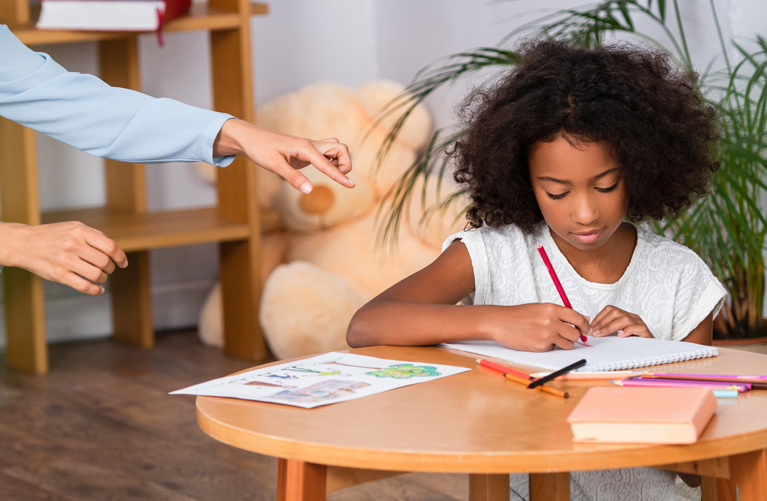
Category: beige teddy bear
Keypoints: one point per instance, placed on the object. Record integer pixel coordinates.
(327, 263)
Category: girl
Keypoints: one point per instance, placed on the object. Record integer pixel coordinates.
(561, 151)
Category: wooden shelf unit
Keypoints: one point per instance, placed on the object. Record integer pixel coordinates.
(235, 223)
(200, 17)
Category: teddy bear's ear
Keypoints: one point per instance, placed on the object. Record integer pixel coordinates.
(375, 95)
(327, 205)
(318, 111)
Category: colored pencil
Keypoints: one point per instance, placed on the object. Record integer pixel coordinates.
(756, 384)
(558, 285)
(726, 393)
(543, 388)
(668, 383)
(503, 369)
(590, 376)
(524, 379)
(715, 376)
(555, 374)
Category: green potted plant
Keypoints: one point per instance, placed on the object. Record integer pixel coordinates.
(727, 228)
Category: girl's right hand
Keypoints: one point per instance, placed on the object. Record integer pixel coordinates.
(537, 326)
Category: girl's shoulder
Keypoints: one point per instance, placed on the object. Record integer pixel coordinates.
(663, 252)
(509, 236)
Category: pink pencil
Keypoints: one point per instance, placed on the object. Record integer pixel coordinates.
(706, 376)
(558, 285)
(673, 383)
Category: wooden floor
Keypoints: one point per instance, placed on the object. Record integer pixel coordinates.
(101, 426)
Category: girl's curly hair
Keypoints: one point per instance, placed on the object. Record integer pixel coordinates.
(648, 113)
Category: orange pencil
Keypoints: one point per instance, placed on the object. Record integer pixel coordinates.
(504, 370)
(510, 374)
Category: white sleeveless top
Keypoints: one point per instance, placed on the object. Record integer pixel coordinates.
(665, 283)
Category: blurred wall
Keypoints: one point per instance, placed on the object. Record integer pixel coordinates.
(300, 42)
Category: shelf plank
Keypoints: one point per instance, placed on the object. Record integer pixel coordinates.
(136, 232)
(199, 17)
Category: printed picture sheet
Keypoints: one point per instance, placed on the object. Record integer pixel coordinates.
(322, 380)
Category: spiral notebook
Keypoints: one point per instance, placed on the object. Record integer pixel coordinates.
(606, 354)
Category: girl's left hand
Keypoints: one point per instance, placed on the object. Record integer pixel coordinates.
(612, 319)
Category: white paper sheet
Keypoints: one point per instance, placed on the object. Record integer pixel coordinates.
(322, 380)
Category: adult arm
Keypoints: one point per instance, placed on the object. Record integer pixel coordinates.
(86, 113)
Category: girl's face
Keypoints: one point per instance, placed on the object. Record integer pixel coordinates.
(579, 191)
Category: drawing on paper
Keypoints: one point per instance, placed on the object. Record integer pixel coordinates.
(336, 362)
(322, 380)
(331, 372)
(321, 392)
(405, 371)
(277, 384)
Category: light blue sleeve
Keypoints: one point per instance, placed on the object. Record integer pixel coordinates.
(84, 112)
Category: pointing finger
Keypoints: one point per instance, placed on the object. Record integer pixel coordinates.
(323, 165)
(292, 176)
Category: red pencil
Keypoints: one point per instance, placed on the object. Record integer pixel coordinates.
(503, 369)
(558, 285)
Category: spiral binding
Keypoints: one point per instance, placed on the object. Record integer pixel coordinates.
(646, 362)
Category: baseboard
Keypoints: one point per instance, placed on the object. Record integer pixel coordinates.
(76, 317)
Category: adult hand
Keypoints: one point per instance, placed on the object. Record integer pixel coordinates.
(613, 319)
(69, 253)
(284, 154)
(537, 326)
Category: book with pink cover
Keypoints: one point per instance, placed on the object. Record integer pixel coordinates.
(642, 415)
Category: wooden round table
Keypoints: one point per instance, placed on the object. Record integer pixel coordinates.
(481, 424)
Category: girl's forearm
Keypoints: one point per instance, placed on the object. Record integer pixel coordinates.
(404, 323)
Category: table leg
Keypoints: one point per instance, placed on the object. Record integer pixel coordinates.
(300, 481)
(488, 487)
(725, 490)
(749, 471)
(707, 488)
(550, 486)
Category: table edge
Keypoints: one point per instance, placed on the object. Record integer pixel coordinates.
(472, 462)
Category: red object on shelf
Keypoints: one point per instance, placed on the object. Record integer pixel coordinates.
(109, 15)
